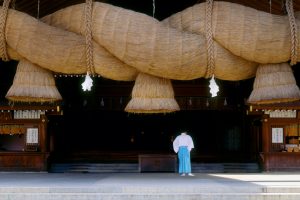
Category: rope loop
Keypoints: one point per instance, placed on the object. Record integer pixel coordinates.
(88, 36)
(3, 17)
(293, 27)
(209, 39)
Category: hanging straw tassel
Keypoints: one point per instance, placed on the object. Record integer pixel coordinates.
(152, 94)
(274, 83)
(33, 84)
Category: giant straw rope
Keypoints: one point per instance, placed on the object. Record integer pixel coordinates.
(127, 42)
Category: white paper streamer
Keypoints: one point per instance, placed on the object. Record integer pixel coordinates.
(214, 88)
(88, 83)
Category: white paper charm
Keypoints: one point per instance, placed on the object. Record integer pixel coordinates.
(214, 88)
(88, 83)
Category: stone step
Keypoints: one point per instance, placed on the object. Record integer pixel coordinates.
(93, 167)
(134, 167)
(147, 196)
(146, 186)
(225, 167)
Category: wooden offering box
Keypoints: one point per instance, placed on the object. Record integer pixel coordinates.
(23, 139)
(280, 140)
(157, 163)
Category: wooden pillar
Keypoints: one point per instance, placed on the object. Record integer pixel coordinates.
(265, 134)
(43, 134)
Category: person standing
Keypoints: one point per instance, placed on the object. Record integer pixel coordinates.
(182, 145)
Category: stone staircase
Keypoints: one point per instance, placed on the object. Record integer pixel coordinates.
(94, 168)
(149, 186)
(225, 167)
(134, 168)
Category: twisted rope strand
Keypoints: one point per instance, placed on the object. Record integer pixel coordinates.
(88, 36)
(153, 8)
(13, 4)
(3, 17)
(293, 26)
(209, 39)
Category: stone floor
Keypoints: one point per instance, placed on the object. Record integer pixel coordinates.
(98, 186)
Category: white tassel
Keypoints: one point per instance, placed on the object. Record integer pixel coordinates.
(88, 83)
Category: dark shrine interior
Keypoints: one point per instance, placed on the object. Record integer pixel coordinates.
(95, 123)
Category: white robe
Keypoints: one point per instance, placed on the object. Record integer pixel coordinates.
(183, 140)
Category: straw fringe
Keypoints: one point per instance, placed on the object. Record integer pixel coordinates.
(278, 94)
(274, 83)
(149, 86)
(33, 84)
(24, 94)
(152, 95)
(153, 105)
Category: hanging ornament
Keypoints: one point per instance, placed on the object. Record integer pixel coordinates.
(84, 103)
(132, 139)
(225, 102)
(88, 83)
(214, 88)
(102, 102)
(190, 101)
(207, 103)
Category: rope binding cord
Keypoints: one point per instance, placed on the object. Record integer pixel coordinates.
(210, 49)
(153, 8)
(209, 39)
(88, 36)
(293, 27)
(3, 17)
(88, 82)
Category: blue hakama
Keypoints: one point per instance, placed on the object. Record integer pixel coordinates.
(184, 160)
